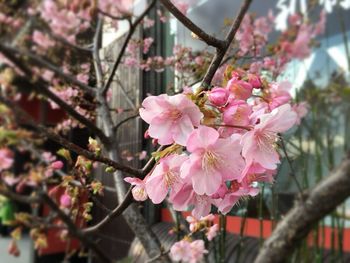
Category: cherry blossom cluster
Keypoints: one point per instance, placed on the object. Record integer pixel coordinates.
(295, 42)
(183, 59)
(6, 159)
(220, 143)
(189, 250)
(68, 20)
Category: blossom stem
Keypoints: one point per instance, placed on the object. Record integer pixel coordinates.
(293, 174)
(248, 128)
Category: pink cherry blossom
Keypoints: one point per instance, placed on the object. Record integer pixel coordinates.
(300, 47)
(42, 40)
(237, 113)
(212, 161)
(240, 89)
(165, 177)
(259, 143)
(138, 191)
(147, 42)
(181, 251)
(188, 252)
(183, 197)
(182, 6)
(198, 251)
(171, 118)
(212, 232)
(301, 109)
(6, 159)
(279, 94)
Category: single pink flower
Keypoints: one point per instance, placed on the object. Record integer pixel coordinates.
(279, 94)
(182, 198)
(165, 177)
(301, 109)
(212, 160)
(142, 155)
(237, 113)
(42, 40)
(138, 191)
(181, 251)
(198, 251)
(240, 89)
(202, 205)
(212, 232)
(171, 118)
(259, 143)
(6, 159)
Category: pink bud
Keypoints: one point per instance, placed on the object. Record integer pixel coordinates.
(65, 201)
(255, 81)
(13, 249)
(218, 96)
(57, 165)
(146, 134)
(154, 142)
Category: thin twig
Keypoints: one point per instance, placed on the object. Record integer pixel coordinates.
(113, 214)
(125, 121)
(293, 174)
(208, 39)
(26, 118)
(123, 48)
(46, 64)
(95, 52)
(40, 86)
(73, 229)
(220, 52)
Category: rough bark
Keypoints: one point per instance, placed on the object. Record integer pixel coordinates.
(316, 204)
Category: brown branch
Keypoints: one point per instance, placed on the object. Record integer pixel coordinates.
(220, 52)
(112, 16)
(73, 229)
(208, 39)
(26, 118)
(39, 85)
(95, 52)
(299, 221)
(125, 121)
(46, 64)
(132, 29)
(17, 197)
(128, 199)
(72, 112)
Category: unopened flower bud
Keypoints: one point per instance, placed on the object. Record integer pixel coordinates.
(57, 165)
(218, 96)
(65, 201)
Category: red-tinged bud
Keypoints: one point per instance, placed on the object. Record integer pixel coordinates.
(255, 81)
(146, 134)
(20, 186)
(57, 165)
(13, 249)
(65, 201)
(155, 142)
(218, 96)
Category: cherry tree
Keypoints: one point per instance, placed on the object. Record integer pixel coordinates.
(218, 138)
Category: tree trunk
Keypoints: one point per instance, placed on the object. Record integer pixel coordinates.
(298, 222)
